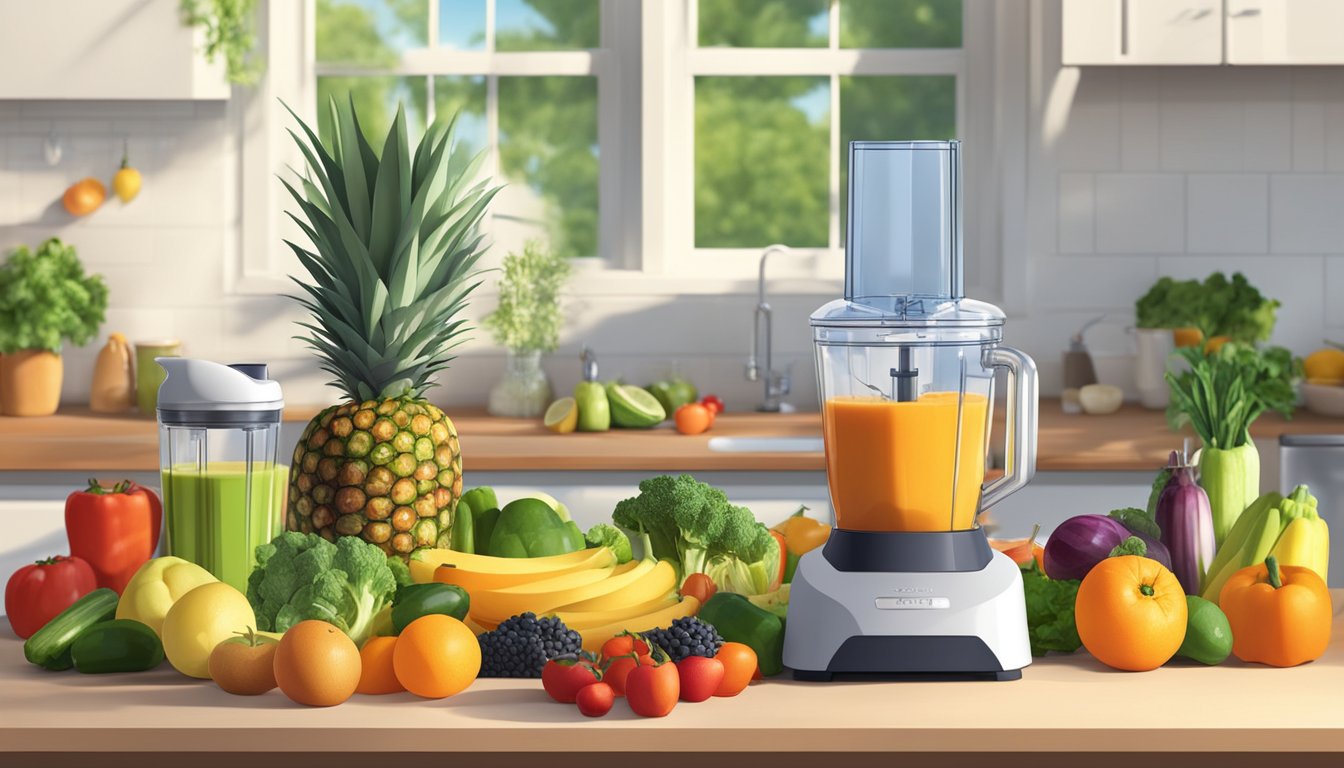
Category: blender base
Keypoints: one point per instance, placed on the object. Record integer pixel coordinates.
(963, 618)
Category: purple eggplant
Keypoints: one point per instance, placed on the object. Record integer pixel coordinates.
(1186, 521)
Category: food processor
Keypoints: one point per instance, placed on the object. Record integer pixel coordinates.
(907, 582)
(223, 491)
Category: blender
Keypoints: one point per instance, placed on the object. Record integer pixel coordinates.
(907, 582)
(219, 429)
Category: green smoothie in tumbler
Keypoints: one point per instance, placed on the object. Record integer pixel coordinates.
(216, 520)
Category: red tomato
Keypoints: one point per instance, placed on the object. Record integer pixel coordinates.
(564, 678)
(713, 403)
(699, 586)
(617, 672)
(595, 700)
(739, 666)
(700, 677)
(653, 690)
(36, 593)
(624, 644)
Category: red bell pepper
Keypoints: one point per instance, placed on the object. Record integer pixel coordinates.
(37, 593)
(115, 529)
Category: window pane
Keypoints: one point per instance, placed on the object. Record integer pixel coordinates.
(370, 33)
(764, 23)
(546, 25)
(548, 155)
(900, 24)
(465, 97)
(761, 171)
(376, 100)
(905, 107)
(462, 24)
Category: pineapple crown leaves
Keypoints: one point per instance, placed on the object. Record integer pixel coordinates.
(395, 240)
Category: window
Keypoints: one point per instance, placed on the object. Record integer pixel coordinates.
(671, 139)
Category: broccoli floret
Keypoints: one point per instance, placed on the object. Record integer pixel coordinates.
(608, 535)
(695, 526)
(401, 573)
(303, 576)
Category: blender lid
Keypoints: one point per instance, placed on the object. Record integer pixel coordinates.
(206, 392)
(908, 312)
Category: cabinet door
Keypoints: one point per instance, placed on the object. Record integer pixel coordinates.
(1142, 32)
(109, 49)
(1285, 32)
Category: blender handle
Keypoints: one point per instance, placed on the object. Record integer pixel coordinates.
(1019, 464)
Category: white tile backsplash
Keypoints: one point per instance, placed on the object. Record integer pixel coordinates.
(1077, 206)
(1307, 213)
(1227, 213)
(1140, 213)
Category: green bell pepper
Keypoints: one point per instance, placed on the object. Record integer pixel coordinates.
(416, 600)
(738, 620)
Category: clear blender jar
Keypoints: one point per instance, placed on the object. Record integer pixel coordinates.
(223, 492)
(906, 365)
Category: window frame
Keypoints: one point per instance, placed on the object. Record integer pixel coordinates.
(645, 74)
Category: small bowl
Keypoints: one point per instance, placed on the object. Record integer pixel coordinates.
(1323, 399)
(1101, 399)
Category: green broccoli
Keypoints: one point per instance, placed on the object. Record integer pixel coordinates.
(608, 535)
(694, 525)
(303, 576)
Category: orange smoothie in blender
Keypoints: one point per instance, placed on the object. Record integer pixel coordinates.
(896, 466)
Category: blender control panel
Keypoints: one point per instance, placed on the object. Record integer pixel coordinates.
(911, 603)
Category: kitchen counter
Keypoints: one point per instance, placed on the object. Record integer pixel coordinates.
(1133, 439)
(1062, 704)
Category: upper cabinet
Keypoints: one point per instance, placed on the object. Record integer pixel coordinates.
(1285, 31)
(1193, 32)
(109, 49)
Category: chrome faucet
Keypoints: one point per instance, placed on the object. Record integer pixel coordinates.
(761, 367)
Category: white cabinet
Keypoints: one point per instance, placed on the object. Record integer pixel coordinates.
(1142, 32)
(1285, 32)
(108, 49)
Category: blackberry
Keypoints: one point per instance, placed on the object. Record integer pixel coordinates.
(521, 646)
(688, 636)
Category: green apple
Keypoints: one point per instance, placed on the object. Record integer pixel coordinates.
(594, 410)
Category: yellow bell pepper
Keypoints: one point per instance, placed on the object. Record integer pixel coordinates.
(801, 534)
(156, 586)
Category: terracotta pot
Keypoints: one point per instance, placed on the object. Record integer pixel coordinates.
(30, 383)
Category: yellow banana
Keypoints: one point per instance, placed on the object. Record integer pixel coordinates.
(482, 572)
(581, 620)
(593, 638)
(1297, 545)
(655, 583)
(545, 594)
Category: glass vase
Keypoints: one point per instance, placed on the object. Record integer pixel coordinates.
(524, 392)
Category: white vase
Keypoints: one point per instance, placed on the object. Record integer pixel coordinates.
(524, 392)
(1154, 348)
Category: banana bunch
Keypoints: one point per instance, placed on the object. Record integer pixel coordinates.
(587, 589)
(1288, 528)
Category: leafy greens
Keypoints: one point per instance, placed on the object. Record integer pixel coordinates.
(46, 298)
(1218, 307)
(1224, 392)
(1050, 622)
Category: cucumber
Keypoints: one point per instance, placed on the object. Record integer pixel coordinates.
(120, 645)
(49, 647)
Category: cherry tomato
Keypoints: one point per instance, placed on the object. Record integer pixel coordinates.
(693, 418)
(700, 677)
(739, 664)
(564, 678)
(713, 403)
(617, 672)
(595, 700)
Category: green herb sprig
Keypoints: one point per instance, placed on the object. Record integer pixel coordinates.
(528, 317)
(46, 298)
(1224, 392)
(230, 31)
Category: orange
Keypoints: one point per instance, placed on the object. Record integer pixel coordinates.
(739, 666)
(1187, 337)
(693, 418)
(436, 656)
(377, 674)
(1131, 613)
(317, 664)
(83, 197)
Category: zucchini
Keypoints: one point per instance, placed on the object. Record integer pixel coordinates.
(49, 647)
(120, 645)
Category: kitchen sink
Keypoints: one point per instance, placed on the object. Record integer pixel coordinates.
(765, 444)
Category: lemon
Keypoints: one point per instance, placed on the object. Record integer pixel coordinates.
(562, 416)
(1326, 365)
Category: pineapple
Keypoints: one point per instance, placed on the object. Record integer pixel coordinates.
(394, 242)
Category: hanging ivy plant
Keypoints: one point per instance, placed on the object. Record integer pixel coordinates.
(229, 32)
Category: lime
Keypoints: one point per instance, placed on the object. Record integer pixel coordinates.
(562, 416)
(1208, 636)
(594, 411)
(634, 407)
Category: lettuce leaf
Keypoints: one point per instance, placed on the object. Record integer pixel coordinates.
(1050, 622)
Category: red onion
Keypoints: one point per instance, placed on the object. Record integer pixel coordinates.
(1079, 543)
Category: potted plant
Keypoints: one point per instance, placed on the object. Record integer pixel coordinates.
(45, 300)
(527, 323)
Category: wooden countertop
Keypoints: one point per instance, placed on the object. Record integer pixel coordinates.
(1131, 439)
(1062, 703)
